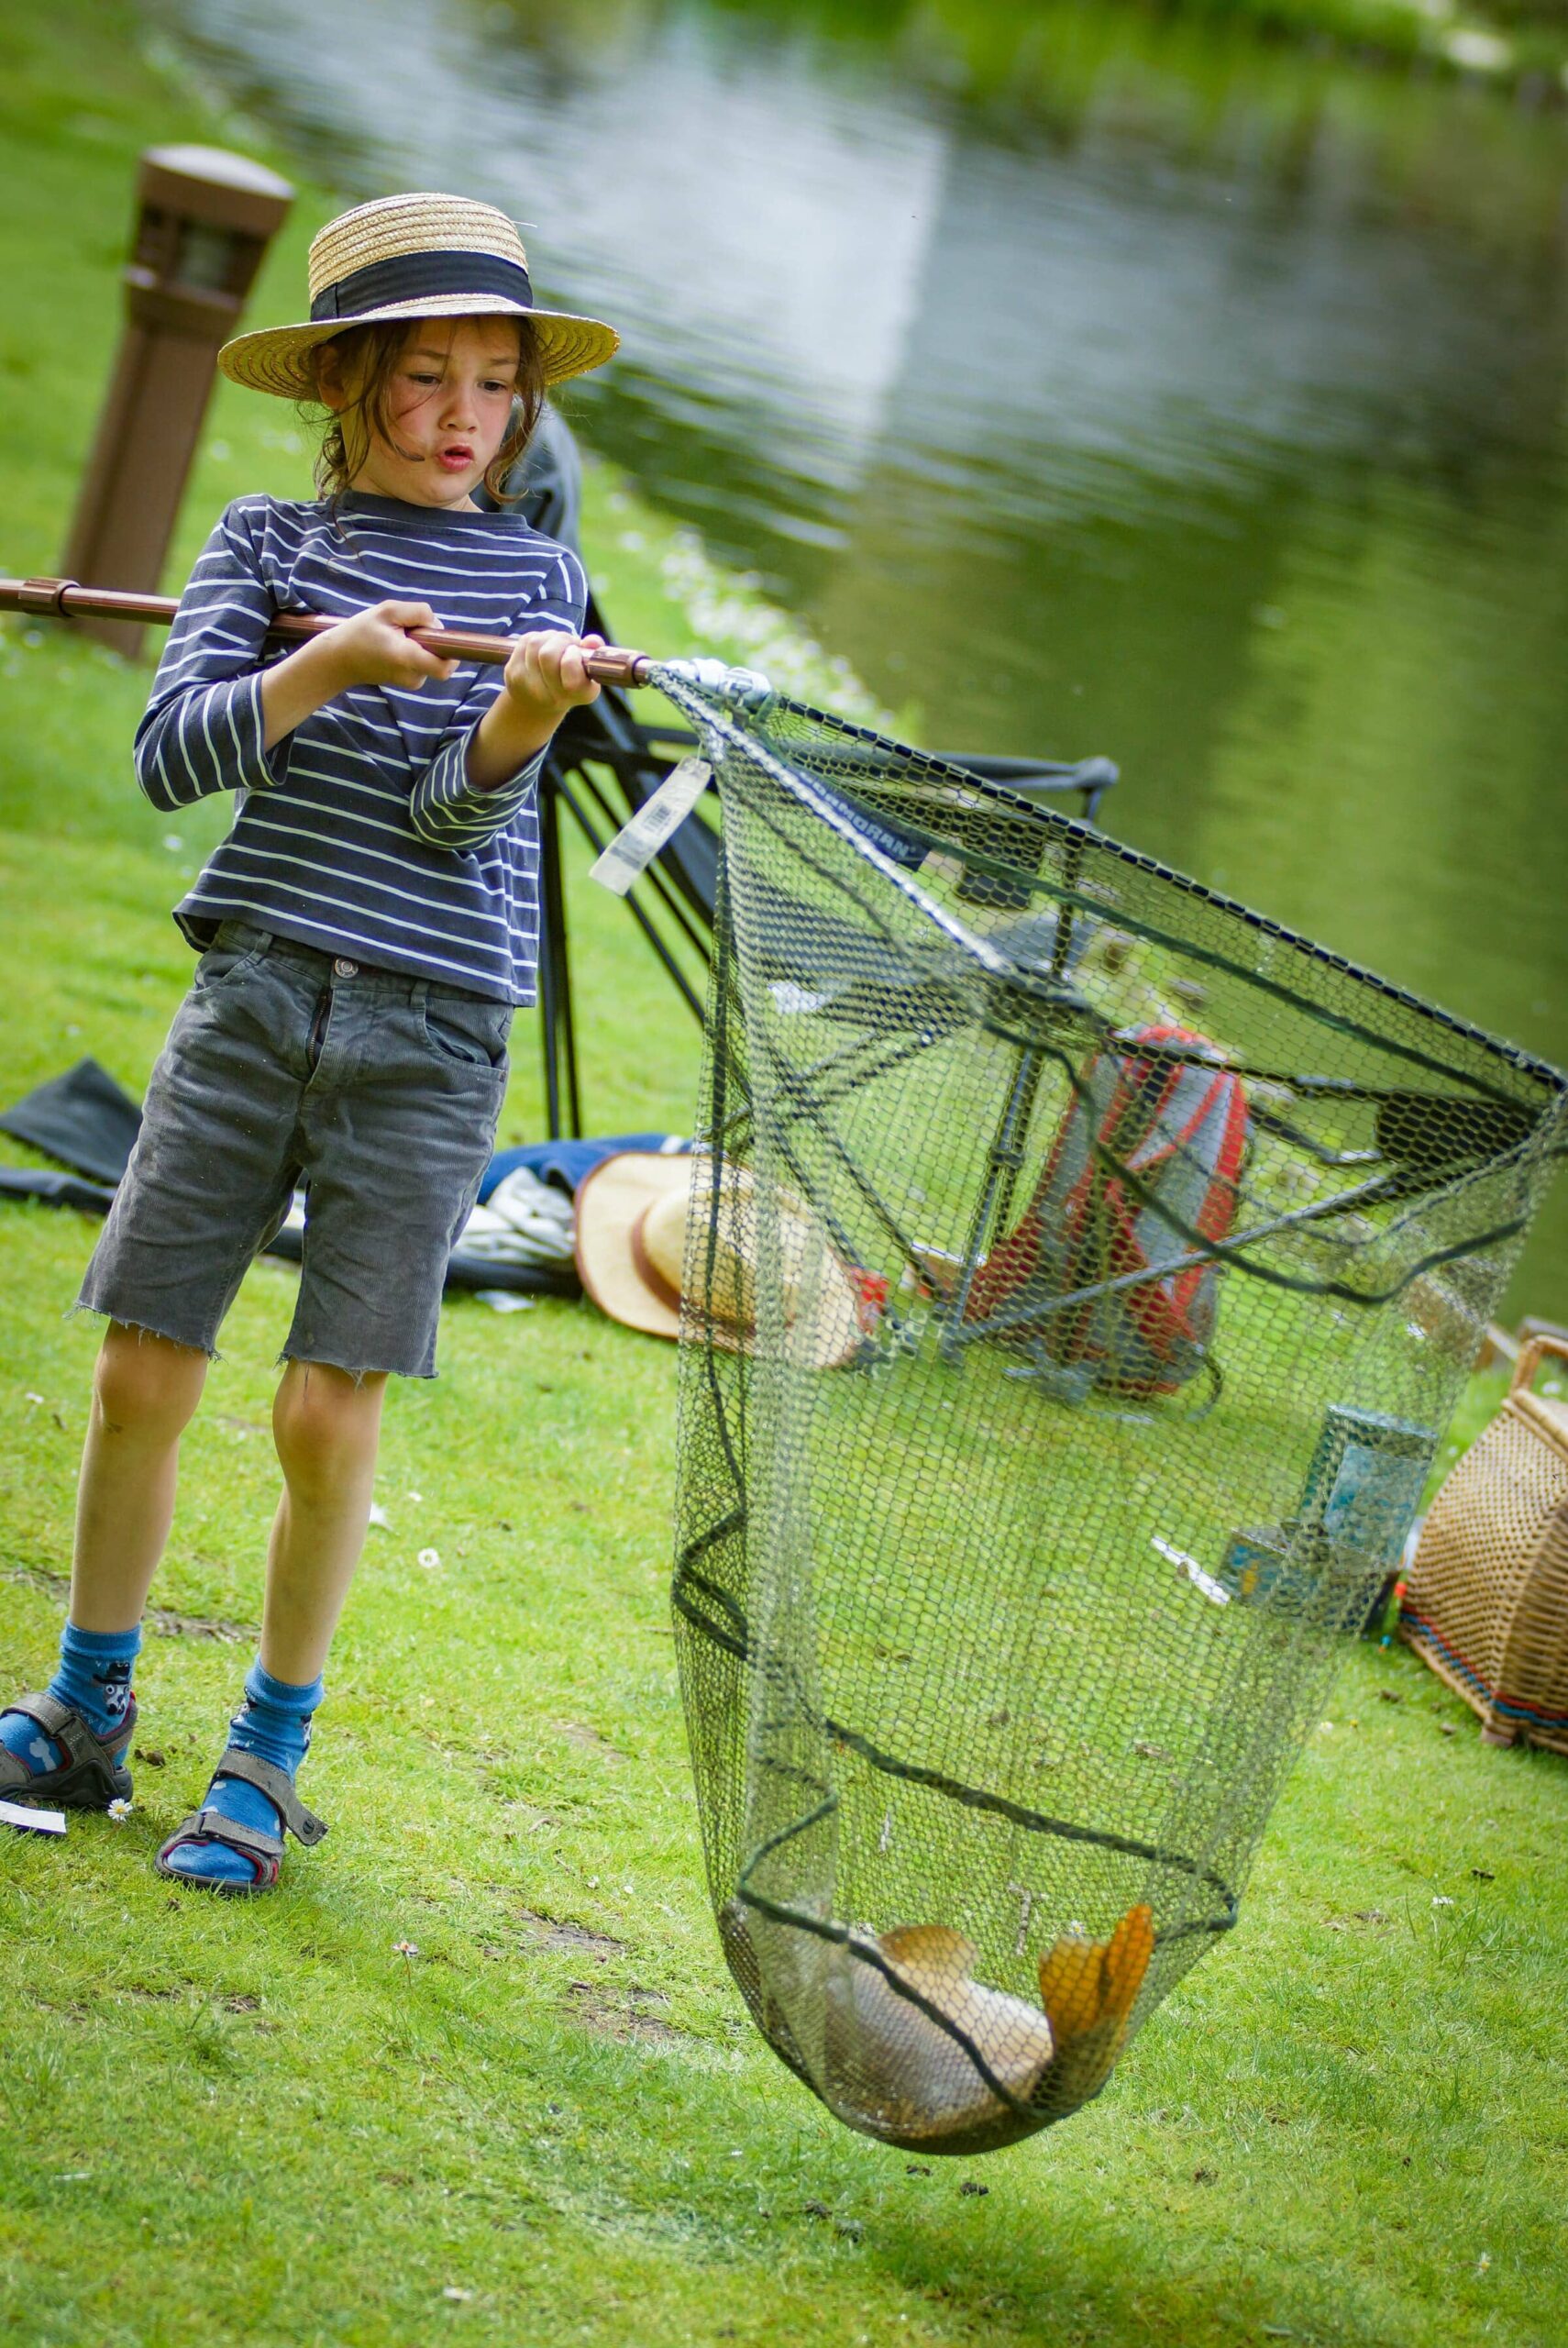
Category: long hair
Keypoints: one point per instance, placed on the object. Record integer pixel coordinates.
(369, 354)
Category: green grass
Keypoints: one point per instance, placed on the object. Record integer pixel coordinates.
(482, 2042)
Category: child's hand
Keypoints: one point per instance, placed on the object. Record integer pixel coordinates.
(547, 675)
(375, 648)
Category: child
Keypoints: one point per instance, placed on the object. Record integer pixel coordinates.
(366, 929)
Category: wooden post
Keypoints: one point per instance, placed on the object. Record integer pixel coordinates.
(205, 219)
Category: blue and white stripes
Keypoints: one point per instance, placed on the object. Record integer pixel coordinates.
(359, 832)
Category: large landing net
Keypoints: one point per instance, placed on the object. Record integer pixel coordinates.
(1080, 1281)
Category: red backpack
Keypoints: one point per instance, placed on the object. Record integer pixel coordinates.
(1179, 1126)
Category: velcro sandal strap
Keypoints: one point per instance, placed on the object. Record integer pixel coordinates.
(46, 1710)
(211, 1825)
(65, 1724)
(279, 1787)
(84, 1748)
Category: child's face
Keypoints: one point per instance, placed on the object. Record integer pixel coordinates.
(448, 404)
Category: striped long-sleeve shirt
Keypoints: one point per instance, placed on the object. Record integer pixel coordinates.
(359, 832)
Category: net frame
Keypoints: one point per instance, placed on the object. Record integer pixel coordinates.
(928, 935)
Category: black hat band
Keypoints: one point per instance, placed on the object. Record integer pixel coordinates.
(406, 277)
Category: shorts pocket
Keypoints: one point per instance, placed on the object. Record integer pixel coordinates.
(467, 1029)
(220, 964)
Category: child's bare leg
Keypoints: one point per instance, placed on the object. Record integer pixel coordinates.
(145, 1389)
(327, 1427)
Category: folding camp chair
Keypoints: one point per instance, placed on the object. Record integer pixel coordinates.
(606, 761)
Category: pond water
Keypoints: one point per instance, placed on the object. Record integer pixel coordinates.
(1094, 383)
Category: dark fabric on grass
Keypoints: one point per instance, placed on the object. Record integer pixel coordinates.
(55, 1190)
(83, 1118)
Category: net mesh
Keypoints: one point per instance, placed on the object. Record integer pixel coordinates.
(1081, 1273)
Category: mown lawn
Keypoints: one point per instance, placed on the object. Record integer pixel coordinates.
(477, 2069)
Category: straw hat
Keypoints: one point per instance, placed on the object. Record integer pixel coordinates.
(632, 1212)
(414, 256)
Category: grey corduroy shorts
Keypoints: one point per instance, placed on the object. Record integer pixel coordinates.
(284, 1068)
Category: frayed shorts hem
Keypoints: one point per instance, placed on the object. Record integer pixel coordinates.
(366, 1370)
(140, 1328)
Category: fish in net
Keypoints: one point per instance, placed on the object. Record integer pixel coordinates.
(1080, 1273)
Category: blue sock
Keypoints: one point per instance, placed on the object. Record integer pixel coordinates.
(273, 1723)
(95, 1676)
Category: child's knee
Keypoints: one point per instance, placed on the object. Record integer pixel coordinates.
(147, 1385)
(326, 1421)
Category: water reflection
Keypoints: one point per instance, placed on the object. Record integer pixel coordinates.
(1093, 384)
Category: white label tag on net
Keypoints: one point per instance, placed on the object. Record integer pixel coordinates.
(632, 849)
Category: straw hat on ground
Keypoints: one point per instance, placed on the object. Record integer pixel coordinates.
(632, 1217)
(414, 256)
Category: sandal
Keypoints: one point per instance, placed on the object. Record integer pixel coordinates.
(264, 1851)
(93, 1774)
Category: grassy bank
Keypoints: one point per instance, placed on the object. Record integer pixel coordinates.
(477, 2069)
(995, 52)
(1509, 44)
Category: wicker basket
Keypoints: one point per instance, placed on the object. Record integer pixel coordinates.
(1486, 1604)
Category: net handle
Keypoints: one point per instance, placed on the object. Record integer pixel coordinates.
(1531, 1354)
(63, 599)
